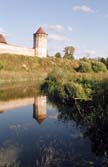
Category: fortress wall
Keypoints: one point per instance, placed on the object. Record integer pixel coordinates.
(12, 49)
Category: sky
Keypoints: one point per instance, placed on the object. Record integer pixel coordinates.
(79, 23)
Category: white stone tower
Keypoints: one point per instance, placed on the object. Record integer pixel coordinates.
(40, 43)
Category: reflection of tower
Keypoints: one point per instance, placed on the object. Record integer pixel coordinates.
(39, 112)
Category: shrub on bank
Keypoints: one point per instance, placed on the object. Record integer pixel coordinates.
(84, 67)
(87, 66)
(98, 66)
(74, 90)
(53, 88)
(65, 87)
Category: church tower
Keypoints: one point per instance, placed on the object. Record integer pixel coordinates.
(40, 43)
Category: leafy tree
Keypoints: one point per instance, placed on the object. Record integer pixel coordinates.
(69, 52)
(58, 55)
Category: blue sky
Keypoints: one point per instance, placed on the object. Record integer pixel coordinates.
(80, 23)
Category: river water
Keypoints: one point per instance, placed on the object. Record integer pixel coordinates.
(35, 133)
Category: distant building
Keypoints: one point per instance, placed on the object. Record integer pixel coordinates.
(39, 46)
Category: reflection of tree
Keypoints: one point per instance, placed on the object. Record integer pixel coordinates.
(93, 116)
(47, 158)
(21, 91)
(99, 138)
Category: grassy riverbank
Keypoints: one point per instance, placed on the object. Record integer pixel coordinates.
(18, 68)
(65, 78)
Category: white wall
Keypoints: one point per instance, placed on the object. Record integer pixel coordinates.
(12, 49)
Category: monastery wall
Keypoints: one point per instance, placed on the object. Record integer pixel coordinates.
(13, 49)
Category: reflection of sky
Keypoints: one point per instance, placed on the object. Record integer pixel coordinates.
(51, 142)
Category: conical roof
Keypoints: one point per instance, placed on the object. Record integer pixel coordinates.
(2, 39)
(40, 120)
(40, 31)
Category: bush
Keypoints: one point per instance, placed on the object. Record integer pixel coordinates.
(91, 66)
(98, 66)
(84, 67)
(74, 90)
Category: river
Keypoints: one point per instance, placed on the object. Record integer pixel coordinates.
(37, 133)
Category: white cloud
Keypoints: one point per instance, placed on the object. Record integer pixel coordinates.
(57, 27)
(83, 8)
(54, 27)
(56, 37)
(69, 28)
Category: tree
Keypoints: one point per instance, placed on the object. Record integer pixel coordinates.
(69, 52)
(58, 55)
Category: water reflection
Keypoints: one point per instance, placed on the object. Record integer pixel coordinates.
(39, 109)
(15, 103)
(92, 118)
(38, 102)
(9, 154)
(69, 136)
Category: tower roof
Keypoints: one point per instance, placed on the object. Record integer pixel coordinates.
(2, 39)
(40, 120)
(40, 31)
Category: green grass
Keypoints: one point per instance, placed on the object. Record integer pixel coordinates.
(32, 64)
(14, 68)
(19, 68)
